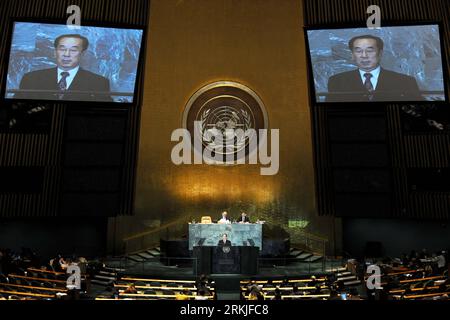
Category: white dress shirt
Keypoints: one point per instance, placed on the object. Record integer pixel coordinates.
(223, 220)
(440, 261)
(72, 73)
(374, 79)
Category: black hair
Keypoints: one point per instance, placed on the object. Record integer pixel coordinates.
(201, 292)
(84, 39)
(380, 43)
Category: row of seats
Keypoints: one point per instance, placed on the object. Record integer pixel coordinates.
(132, 279)
(46, 274)
(33, 284)
(173, 295)
(18, 295)
(414, 284)
(160, 286)
(421, 288)
(33, 281)
(157, 289)
(302, 288)
(148, 283)
(284, 281)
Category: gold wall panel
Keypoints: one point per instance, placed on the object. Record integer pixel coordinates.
(260, 44)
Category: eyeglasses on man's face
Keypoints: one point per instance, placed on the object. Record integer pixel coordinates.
(369, 51)
(71, 51)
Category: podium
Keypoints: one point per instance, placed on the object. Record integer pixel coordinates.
(234, 260)
(226, 260)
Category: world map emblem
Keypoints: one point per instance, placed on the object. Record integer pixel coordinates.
(222, 110)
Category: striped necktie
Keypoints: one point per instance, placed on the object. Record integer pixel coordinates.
(368, 85)
(62, 84)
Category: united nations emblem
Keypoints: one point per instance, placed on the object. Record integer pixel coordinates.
(226, 249)
(226, 117)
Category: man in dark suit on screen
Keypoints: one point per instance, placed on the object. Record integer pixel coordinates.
(371, 82)
(67, 81)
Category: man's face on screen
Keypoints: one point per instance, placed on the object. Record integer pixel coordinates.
(69, 52)
(366, 54)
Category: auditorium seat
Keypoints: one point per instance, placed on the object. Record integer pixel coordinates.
(173, 285)
(8, 288)
(157, 289)
(150, 292)
(3, 278)
(35, 283)
(167, 292)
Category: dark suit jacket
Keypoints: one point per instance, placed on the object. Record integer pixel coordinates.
(246, 219)
(392, 86)
(87, 82)
(226, 244)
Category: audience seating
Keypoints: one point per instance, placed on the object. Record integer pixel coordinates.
(286, 287)
(33, 284)
(26, 294)
(414, 281)
(153, 289)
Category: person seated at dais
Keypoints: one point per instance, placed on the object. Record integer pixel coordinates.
(244, 218)
(224, 218)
